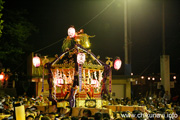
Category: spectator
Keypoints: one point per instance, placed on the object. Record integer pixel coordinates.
(86, 113)
(98, 116)
(45, 118)
(106, 116)
(52, 116)
(30, 117)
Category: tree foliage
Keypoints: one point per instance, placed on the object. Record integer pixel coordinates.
(14, 40)
(1, 21)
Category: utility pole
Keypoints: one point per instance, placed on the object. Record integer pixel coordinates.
(125, 33)
(164, 59)
(126, 43)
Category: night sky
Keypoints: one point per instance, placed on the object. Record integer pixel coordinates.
(53, 17)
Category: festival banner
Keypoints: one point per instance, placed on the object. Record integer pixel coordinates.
(80, 76)
(110, 81)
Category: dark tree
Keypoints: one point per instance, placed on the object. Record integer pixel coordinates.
(17, 29)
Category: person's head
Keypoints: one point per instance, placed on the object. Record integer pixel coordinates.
(74, 118)
(37, 118)
(84, 118)
(106, 116)
(86, 113)
(65, 118)
(6, 105)
(52, 116)
(98, 116)
(135, 113)
(30, 117)
(45, 118)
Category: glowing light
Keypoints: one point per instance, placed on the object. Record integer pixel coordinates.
(87, 44)
(160, 78)
(59, 81)
(142, 77)
(71, 32)
(136, 82)
(149, 78)
(97, 84)
(174, 77)
(153, 78)
(36, 61)
(117, 64)
(93, 82)
(81, 57)
(2, 76)
(132, 74)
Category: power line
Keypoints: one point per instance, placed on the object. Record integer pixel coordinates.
(98, 14)
(80, 27)
(49, 45)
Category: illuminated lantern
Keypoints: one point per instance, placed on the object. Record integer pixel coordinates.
(81, 57)
(117, 64)
(59, 81)
(93, 82)
(2, 76)
(36, 61)
(97, 84)
(71, 32)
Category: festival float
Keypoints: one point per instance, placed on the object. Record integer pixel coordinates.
(77, 75)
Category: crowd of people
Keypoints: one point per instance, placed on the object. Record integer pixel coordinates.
(161, 107)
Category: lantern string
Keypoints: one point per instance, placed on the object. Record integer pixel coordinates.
(79, 27)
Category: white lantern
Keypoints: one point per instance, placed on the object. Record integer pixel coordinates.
(81, 57)
(117, 64)
(93, 82)
(36, 61)
(71, 32)
(59, 81)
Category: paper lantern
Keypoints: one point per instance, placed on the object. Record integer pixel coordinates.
(71, 32)
(59, 81)
(93, 82)
(81, 57)
(36, 61)
(97, 84)
(2, 76)
(117, 64)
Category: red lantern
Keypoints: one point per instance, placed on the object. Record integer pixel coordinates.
(36, 61)
(81, 57)
(117, 64)
(2, 76)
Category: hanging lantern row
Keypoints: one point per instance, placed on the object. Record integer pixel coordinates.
(60, 76)
(81, 57)
(155, 78)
